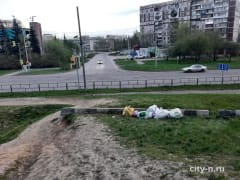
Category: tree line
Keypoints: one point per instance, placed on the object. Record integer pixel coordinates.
(198, 43)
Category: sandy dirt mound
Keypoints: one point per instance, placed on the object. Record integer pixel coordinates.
(86, 150)
(37, 133)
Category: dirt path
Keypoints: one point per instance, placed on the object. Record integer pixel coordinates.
(38, 101)
(85, 150)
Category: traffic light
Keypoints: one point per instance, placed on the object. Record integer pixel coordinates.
(10, 34)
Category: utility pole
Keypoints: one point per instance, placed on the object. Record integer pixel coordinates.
(19, 51)
(81, 46)
(25, 46)
(128, 45)
(32, 18)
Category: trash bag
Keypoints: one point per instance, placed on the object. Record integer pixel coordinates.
(175, 113)
(151, 111)
(141, 114)
(149, 114)
(161, 113)
(152, 108)
(128, 111)
(135, 113)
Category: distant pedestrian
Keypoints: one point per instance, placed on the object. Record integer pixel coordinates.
(28, 63)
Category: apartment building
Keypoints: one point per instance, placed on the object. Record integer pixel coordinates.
(158, 22)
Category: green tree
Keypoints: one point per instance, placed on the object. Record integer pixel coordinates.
(231, 48)
(62, 54)
(181, 47)
(215, 43)
(197, 44)
(135, 39)
(69, 44)
(17, 43)
(3, 38)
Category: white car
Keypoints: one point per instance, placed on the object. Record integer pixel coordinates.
(195, 68)
(99, 62)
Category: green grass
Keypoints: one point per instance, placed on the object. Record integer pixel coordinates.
(14, 119)
(44, 71)
(171, 65)
(187, 136)
(194, 141)
(4, 72)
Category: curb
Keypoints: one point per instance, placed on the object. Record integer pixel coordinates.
(71, 110)
(224, 113)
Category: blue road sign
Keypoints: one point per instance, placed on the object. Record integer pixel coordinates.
(222, 67)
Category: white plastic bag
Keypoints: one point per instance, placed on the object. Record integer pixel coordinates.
(175, 113)
(152, 108)
(161, 113)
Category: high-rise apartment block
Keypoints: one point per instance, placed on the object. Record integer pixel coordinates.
(158, 22)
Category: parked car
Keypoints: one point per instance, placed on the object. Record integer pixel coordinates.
(99, 62)
(195, 68)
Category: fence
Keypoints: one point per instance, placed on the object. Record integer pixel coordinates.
(118, 84)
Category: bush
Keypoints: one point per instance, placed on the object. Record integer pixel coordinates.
(9, 62)
(37, 61)
(60, 52)
(45, 61)
(90, 55)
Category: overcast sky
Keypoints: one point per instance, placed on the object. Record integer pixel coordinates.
(59, 16)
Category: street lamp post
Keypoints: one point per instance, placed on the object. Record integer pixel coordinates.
(76, 60)
(81, 46)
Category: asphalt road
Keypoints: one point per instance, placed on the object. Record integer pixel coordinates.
(109, 71)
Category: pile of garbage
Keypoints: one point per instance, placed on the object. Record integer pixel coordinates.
(153, 112)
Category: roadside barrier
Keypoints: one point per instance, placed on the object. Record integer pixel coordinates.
(73, 85)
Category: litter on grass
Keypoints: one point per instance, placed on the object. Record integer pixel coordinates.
(153, 112)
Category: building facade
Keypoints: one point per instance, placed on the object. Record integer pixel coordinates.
(158, 22)
(38, 33)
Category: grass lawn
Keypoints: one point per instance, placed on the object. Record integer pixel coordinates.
(3, 72)
(171, 65)
(44, 71)
(206, 142)
(14, 119)
(195, 141)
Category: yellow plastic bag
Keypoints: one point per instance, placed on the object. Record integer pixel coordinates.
(128, 111)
